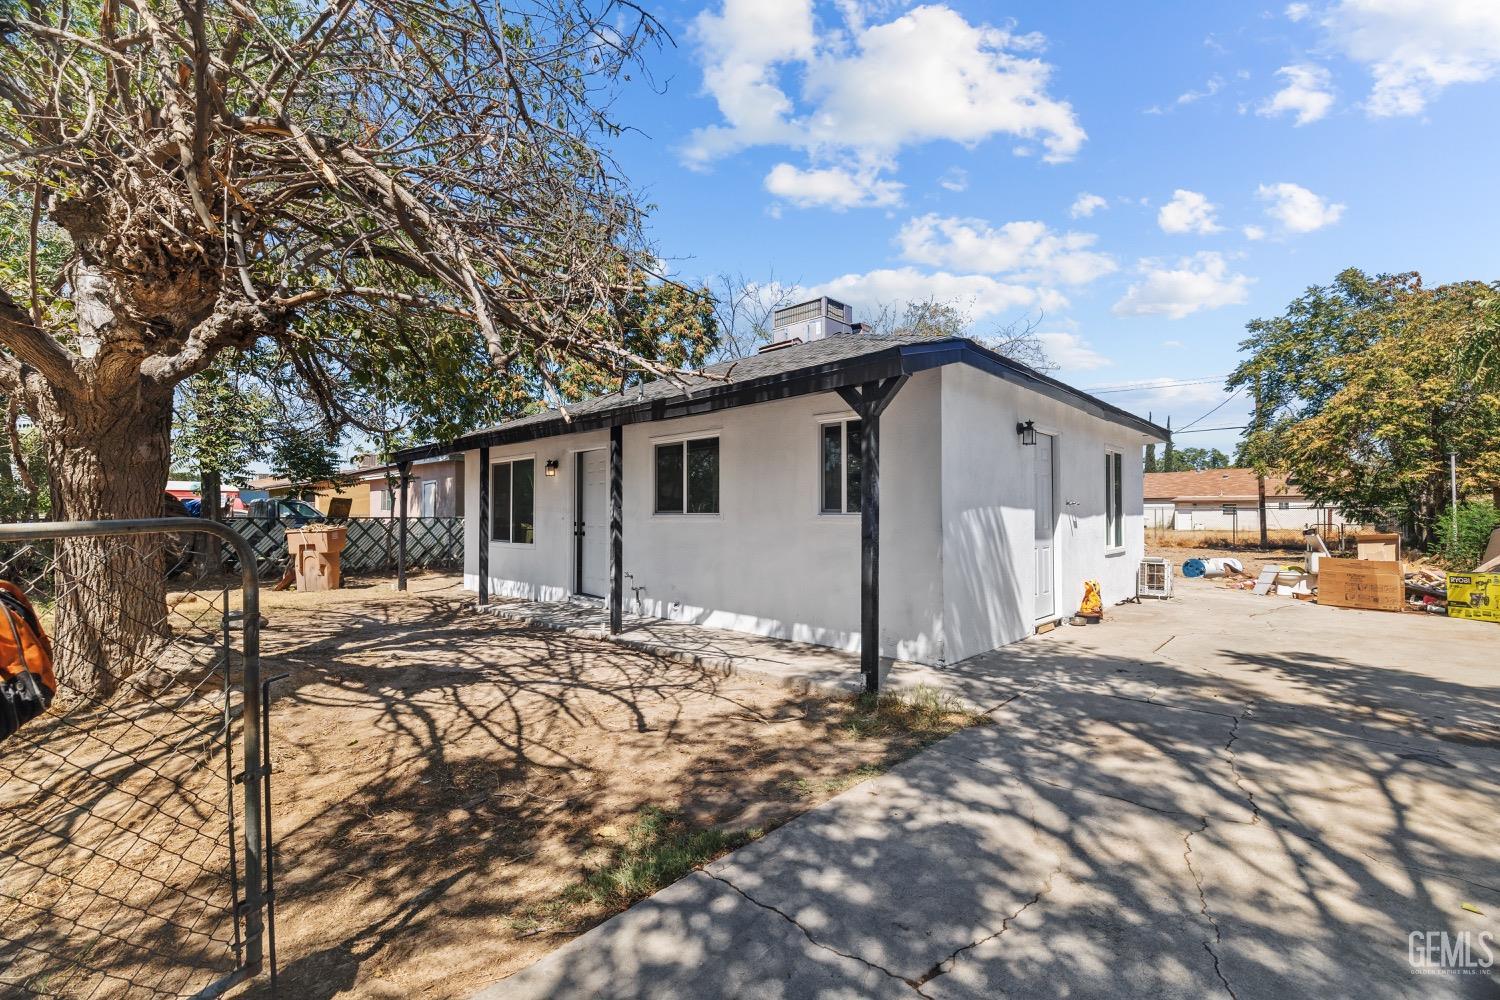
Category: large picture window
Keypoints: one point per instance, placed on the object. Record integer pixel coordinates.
(512, 499)
(687, 477)
(1114, 500)
(840, 468)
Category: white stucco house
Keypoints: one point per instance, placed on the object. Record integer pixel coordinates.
(1229, 499)
(738, 497)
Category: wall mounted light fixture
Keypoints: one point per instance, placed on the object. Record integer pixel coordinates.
(550, 469)
(1027, 432)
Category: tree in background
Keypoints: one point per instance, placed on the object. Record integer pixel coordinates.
(929, 317)
(343, 181)
(1366, 385)
(1191, 460)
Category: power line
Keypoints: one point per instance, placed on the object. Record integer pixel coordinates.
(1146, 386)
(1216, 409)
(1205, 430)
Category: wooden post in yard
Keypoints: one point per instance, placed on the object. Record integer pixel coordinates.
(616, 529)
(404, 480)
(1260, 477)
(869, 401)
(484, 526)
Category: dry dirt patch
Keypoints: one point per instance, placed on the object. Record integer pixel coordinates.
(448, 785)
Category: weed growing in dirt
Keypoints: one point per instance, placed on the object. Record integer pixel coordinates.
(923, 712)
(658, 849)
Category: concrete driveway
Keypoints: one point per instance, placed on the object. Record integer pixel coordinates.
(1222, 795)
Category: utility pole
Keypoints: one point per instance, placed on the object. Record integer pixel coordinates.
(1150, 448)
(1260, 476)
(1167, 460)
(1453, 485)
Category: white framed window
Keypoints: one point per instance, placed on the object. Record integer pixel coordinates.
(513, 501)
(1114, 499)
(838, 469)
(687, 476)
(1283, 505)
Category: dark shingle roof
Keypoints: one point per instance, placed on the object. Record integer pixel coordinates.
(817, 366)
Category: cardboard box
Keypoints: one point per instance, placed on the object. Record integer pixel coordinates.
(1378, 546)
(1475, 596)
(1375, 585)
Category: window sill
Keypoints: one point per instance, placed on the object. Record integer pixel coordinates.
(1111, 552)
(513, 545)
(671, 516)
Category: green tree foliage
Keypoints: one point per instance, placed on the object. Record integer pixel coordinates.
(1191, 460)
(1476, 519)
(1367, 384)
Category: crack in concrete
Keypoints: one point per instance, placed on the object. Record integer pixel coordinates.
(1234, 769)
(814, 941)
(948, 964)
(1187, 857)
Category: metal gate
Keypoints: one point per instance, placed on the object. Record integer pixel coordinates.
(127, 866)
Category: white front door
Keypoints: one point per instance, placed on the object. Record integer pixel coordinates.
(592, 528)
(1046, 527)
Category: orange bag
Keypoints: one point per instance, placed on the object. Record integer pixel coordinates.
(27, 682)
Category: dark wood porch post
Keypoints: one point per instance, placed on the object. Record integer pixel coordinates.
(484, 526)
(404, 479)
(869, 401)
(616, 529)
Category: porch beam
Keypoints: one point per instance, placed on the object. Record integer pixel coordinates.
(616, 529)
(404, 478)
(484, 526)
(869, 401)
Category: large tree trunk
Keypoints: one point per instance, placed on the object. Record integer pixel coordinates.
(108, 458)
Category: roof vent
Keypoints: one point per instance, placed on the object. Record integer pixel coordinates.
(812, 320)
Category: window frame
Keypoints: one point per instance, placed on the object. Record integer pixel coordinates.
(511, 461)
(681, 444)
(845, 453)
(1114, 500)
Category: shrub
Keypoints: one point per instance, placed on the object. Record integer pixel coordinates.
(1476, 519)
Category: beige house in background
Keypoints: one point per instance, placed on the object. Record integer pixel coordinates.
(435, 489)
(1228, 499)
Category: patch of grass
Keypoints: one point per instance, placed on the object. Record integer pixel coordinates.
(825, 788)
(922, 712)
(659, 848)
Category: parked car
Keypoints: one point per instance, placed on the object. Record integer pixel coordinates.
(299, 512)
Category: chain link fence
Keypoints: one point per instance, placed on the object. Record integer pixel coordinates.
(134, 858)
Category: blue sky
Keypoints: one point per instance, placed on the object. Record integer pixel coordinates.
(1232, 155)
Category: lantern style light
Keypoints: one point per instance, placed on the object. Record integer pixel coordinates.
(550, 469)
(1027, 432)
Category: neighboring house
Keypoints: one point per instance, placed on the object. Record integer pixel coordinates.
(1227, 499)
(740, 496)
(434, 490)
(319, 494)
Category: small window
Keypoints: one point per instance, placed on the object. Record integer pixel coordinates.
(687, 477)
(512, 498)
(1283, 505)
(840, 468)
(1114, 501)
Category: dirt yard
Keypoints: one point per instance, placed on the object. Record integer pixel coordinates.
(452, 791)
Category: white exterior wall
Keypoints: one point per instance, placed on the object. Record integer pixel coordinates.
(768, 562)
(988, 522)
(956, 520)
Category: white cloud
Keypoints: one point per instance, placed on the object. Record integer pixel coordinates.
(1202, 281)
(980, 295)
(1297, 11)
(1187, 212)
(1308, 94)
(1072, 353)
(954, 179)
(1172, 345)
(1028, 250)
(1416, 49)
(1086, 205)
(1254, 232)
(1296, 209)
(831, 187)
(871, 90)
(1212, 87)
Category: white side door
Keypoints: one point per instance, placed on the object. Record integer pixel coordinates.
(1045, 508)
(593, 523)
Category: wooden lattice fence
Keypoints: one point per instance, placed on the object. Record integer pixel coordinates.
(370, 547)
